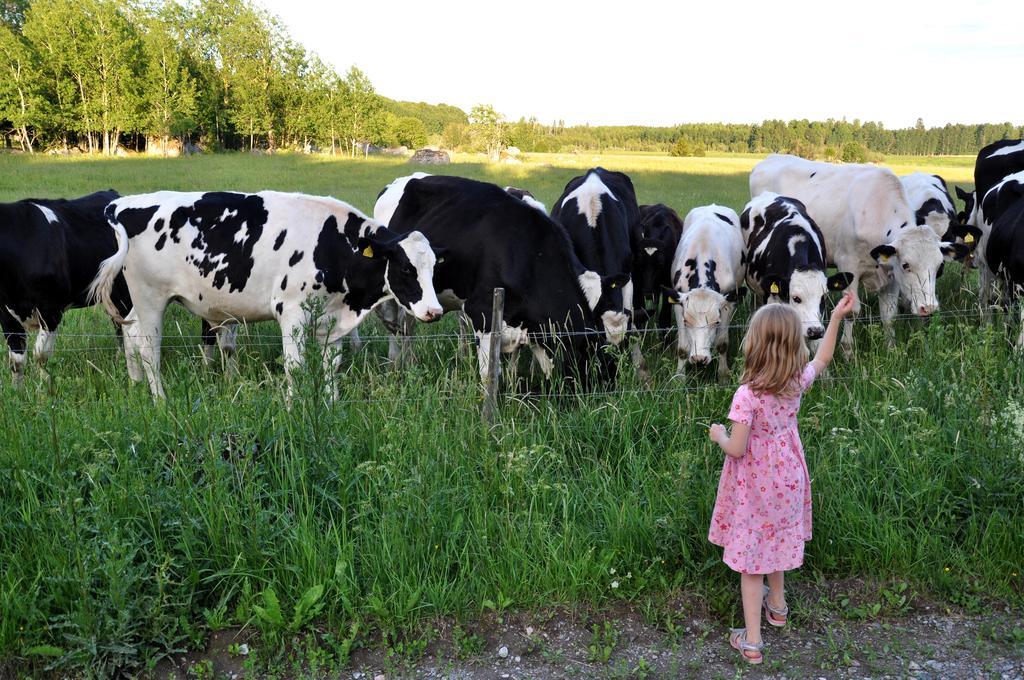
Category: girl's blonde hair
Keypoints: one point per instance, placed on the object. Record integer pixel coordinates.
(774, 351)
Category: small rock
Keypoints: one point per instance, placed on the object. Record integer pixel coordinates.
(933, 664)
(854, 663)
(379, 676)
(243, 649)
(914, 666)
(529, 630)
(503, 652)
(504, 675)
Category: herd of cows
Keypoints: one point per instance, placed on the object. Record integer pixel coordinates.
(588, 274)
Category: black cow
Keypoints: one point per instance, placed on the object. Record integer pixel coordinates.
(660, 229)
(786, 259)
(493, 239)
(1004, 254)
(600, 213)
(994, 163)
(50, 250)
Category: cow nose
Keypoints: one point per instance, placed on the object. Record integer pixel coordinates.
(925, 310)
(700, 359)
(433, 314)
(815, 333)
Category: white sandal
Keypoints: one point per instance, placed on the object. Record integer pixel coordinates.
(775, 617)
(750, 651)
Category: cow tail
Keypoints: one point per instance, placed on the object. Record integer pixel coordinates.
(102, 286)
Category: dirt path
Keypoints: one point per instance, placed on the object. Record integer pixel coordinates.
(879, 632)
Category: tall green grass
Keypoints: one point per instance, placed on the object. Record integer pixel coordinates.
(128, 528)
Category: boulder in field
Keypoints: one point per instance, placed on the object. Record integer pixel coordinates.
(431, 157)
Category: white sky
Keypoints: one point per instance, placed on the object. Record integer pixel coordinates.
(671, 61)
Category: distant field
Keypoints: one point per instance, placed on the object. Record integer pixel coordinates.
(128, 529)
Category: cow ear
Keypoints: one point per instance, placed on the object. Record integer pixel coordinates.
(954, 251)
(745, 219)
(672, 295)
(961, 194)
(883, 254)
(775, 285)
(365, 247)
(969, 233)
(735, 296)
(616, 281)
(839, 281)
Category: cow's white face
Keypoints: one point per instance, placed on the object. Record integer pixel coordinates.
(807, 290)
(704, 312)
(914, 258)
(410, 277)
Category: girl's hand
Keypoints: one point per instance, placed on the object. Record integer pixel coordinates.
(845, 306)
(717, 433)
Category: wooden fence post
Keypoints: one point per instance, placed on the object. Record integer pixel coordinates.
(494, 357)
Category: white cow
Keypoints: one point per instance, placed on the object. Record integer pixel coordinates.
(232, 257)
(707, 281)
(870, 231)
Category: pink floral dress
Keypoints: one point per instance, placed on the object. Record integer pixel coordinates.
(762, 515)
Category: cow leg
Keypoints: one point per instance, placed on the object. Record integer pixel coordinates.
(208, 338)
(682, 350)
(465, 333)
(355, 340)
(639, 363)
(46, 339)
(985, 291)
(145, 337)
(846, 342)
(17, 340)
(227, 342)
(888, 306)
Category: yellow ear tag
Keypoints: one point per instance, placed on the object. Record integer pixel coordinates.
(775, 289)
(613, 285)
(885, 258)
(367, 251)
(673, 301)
(969, 238)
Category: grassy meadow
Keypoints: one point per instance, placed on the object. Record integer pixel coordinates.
(130, 529)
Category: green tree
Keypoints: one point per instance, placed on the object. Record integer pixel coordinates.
(362, 118)
(487, 128)
(169, 88)
(21, 101)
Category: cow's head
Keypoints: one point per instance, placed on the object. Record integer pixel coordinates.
(969, 214)
(915, 258)
(704, 313)
(805, 291)
(611, 299)
(651, 259)
(409, 270)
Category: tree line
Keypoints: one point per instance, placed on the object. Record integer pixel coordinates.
(102, 75)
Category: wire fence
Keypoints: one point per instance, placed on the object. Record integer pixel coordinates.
(259, 338)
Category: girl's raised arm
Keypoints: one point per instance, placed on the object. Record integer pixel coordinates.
(823, 357)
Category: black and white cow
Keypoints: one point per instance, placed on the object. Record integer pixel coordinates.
(660, 230)
(50, 250)
(600, 213)
(932, 205)
(707, 282)
(233, 257)
(528, 198)
(494, 240)
(995, 162)
(869, 230)
(1004, 252)
(787, 259)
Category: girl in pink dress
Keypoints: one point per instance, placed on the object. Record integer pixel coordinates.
(762, 515)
